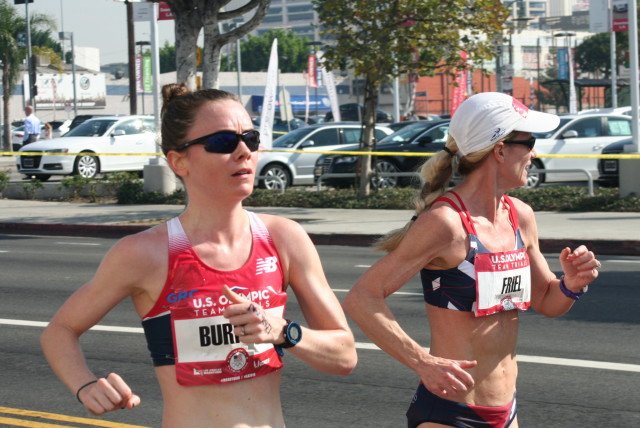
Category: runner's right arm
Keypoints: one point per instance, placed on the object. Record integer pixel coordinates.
(121, 269)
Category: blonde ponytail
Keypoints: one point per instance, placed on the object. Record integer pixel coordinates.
(436, 173)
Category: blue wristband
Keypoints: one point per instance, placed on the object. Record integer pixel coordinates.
(570, 294)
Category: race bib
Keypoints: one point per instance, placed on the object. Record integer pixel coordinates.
(208, 352)
(503, 282)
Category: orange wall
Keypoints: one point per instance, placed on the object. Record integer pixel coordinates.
(438, 92)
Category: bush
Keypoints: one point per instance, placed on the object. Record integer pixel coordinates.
(129, 189)
(575, 198)
(4, 180)
(75, 184)
(549, 198)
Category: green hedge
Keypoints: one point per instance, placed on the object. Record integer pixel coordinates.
(547, 198)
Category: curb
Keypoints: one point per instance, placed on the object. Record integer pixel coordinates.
(599, 247)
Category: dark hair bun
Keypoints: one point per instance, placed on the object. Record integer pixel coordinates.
(171, 92)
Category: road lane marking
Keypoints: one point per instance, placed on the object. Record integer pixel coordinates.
(397, 293)
(93, 244)
(603, 365)
(56, 417)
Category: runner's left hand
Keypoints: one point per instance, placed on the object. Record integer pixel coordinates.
(251, 323)
(580, 267)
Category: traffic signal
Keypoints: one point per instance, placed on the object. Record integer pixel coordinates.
(21, 1)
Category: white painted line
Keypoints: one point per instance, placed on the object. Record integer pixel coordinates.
(397, 293)
(91, 244)
(600, 365)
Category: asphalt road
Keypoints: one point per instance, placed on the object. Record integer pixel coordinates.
(579, 370)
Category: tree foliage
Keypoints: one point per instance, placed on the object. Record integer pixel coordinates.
(379, 39)
(593, 55)
(256, 50)
(167, 58)
(11, 55)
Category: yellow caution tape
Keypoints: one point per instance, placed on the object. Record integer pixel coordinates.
(329, 152)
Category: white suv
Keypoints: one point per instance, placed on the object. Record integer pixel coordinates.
(577, 134)
(281, 168)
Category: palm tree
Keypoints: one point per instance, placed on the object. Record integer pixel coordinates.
(11, 56)
(10, 24)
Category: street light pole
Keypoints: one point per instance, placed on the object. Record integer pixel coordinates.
(30, 63)
(69, 36)
(573, 108)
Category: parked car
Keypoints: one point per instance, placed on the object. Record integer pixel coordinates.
(280, 127)
(17, 137)
(115, 134)
(58, 128)
(83, 118)
(399, 125)
(576, 135)
(609, 169)
(349, 113)
(419, 137)
(296, 168)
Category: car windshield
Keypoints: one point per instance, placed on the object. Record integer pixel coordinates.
(91, 128)
(563, 122)
(405, 134)
(291, 138)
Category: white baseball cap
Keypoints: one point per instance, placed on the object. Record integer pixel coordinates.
(484, 119)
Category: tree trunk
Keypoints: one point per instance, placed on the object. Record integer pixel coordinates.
(6, 97)
(188, 22)
(193, 15)
(213, 43)
(369, 122)
(410, 106)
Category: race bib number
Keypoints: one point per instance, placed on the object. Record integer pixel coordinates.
(503, 282)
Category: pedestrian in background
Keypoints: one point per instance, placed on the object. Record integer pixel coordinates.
(209, 285)
(47, 131)
(32, 126)
(479, 260)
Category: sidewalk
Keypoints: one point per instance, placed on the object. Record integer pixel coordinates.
(603, 232)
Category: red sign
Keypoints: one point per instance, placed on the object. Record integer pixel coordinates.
(312, 69)
(460, 90)
(164, 12)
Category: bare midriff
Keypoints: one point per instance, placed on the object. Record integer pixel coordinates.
(489, 340)
(243, 404)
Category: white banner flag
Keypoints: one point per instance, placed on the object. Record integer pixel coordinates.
(330, 84)
(269, 101)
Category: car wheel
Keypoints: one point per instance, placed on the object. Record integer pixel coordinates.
(86, 166)
(534, 178)
(381, 182)
(277, 177)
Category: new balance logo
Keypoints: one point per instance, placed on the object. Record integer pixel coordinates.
(266, 265)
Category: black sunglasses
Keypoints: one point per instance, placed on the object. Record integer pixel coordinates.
(529, 142)
(225, 141)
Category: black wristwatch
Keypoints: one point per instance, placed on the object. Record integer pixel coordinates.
(292, 336)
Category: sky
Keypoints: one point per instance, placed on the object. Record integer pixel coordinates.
(98, 23)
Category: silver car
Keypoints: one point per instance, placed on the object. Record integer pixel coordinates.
(283, 168)
(577, 134)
